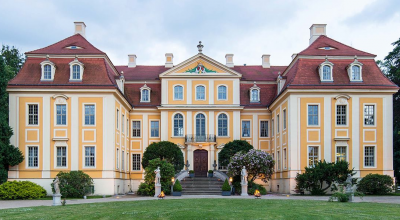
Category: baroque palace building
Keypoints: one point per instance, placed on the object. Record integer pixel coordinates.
(72, 109)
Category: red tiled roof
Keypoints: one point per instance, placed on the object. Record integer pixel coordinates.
(132, 92)
(341, 49)
(259, 73)
(141, 72)
(95, 74)
(267, 94)
(74, 40)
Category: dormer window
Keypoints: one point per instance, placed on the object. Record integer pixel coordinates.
(145, 93)
(255, 93)
(76, 70)
(355, 71)
(325, 71)
(48, 70)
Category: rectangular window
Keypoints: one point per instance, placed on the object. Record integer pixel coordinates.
(263, 128)
(272, 128)
(178, 93)
(245, 128)
(284, 119)
(61, 156)
(135, 161)
(33, 159)
(33, 114)
(123, 124)
(277, 124)
(123, 160)
(155, 129)
(89, 114)
(284, 158)
(89, 157)
(135, 128)
(117, 119)
(341, 153)
(369, 156)
(313, 115)
(369, 115)
(61, 114)
(278, 158)
(117, 158)
(312, 156)
(341, 118)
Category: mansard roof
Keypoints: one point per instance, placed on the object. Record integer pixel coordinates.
(132, 92)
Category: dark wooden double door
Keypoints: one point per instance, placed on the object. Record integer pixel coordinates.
(200, 163)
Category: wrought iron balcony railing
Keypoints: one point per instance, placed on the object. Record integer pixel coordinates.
(192, 138)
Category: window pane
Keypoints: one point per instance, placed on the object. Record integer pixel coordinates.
(154, 128)
(145, 95)
(341, 153)
(200, 93)
(313, 115)
(178, 125)
(369, 156)
(33, 114)
(312, 156)
(76, 72)
(222, 92)
(89, 115)
(369, 115)
(326, 73)
(47, 72)
(263, 128)
(222, 125)
(355, 73)
(135, 161)
(245, 128)
(136, 128)
(61, 111)
(178, 92)
(341, 118)
(254, 96)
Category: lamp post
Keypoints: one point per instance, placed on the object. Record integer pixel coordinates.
(172, 185)
(187, 165)
(215, 165)
(230, 183)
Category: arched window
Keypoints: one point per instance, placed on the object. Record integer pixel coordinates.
(178, 93)
(145, 95)
(355, 73)
(326, 73)
(221, 92)
(255, 95)
(76, 72)
(222, 125)
(47, 72)
(200, 93)
(200, 125)
(178, 125)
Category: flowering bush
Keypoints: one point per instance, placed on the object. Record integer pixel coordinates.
(258, 164)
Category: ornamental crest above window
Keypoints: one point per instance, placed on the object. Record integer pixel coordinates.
(200, 68)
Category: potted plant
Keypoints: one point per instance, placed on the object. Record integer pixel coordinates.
(210, 173)
(191, 173)
(177, 189)
(226, 188)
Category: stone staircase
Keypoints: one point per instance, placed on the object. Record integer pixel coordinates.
(201, 186)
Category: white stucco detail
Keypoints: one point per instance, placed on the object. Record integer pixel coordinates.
(327, 129)
(74, 133)
(46, 136)
(164, 126)
(356, 134)
(211, 91)
(189, 91)
(236, 124)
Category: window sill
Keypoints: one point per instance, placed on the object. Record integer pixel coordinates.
(75, 80)
(46, 80)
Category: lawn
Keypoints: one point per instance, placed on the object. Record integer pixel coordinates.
(210, 209)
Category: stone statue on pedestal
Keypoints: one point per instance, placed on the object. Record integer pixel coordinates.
(57, 194)
(244, 175)
(56, 183)
(157, 182)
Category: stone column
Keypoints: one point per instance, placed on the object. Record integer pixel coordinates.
(190, 156)
(158, 189)
(212, 157)
(56, 199)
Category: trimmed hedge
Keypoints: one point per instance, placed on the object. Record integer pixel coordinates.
(375, 184)
(226, 186)
(21, 190)
(164, 150)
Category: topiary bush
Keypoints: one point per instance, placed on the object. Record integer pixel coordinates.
(375, 184)
(177, 186)
(21, 190)
(164, 150)
(226, 186)
(74, 184)
(231, 148)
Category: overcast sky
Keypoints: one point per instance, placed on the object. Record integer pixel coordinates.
(247, 29)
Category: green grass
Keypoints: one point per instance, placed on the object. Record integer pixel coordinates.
(210, 209)
(88, 197)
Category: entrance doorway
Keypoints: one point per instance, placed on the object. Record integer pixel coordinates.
(200, 163)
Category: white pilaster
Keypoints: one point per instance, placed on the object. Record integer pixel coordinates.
(190, 156)
(146, 130)
(236, 125)
(46, 136)
(327, 129)
(212, 157)
(236, 92)
(255, 131)
(163, 126)
(164, 91)
(355, 139)
(189, 91)
(108, 140)
(211, 122)
(189, 121)
(75, 133)
(211, 91)
(12, 117)
(387, 135)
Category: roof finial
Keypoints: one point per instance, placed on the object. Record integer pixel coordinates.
(355, 57)
(47, 57)
(200, 47)
(279, 75)
(76, 57)
(255, 83)
(326, 57)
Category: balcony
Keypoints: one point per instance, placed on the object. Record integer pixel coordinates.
(192, 138)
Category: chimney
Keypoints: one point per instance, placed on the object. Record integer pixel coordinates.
(169, 60)
(80, 28)
(132, 60)
(317, 30)
(265, 61)
(229, 60)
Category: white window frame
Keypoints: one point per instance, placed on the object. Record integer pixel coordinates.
(117, 120)
(206, 122)
(27, 157)
(140, 162)
(284, 119)
(268, 130)
(319, 115)
(347, 151)
(273, 127)
(53, 70)
(123, 160)
(56, 156)
(375, 111)
(173, 125)
(117, 158)
(277, 123)
(66, 114)
(83, 115)
(350, 70)
(123, 123)
(278, 160)
(321, 70)
(241, 128)
(141, 94)
(84, 157)
(227, 123)
(205, 92)
(258, 95)
(375, 156)
(284, 155)
(308, 153)
(150, 134)
(81, 70)
(226, 92)
(27, 114)
(141, 128)
(183, 93)
(347, 115)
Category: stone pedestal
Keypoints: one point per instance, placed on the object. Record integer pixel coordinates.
(56, 199)
(244, 190)
(158, 189)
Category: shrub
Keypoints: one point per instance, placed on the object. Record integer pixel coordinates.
(146, 189)
(314, 177)
(191, 171)
(375, 184)
(210, 171)
(226, 186)
(177, 186)
(21, 190)
(253, 186)
(164, 150)
(231, 148)
(166, 172)
(340, 196)
(74, 184)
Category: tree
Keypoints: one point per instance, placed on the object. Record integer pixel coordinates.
(259, 164)
(10, 63)
(164, 150)
(231, 148)
(322, 176)
(74, 184)
(391, 67)
(167, 171)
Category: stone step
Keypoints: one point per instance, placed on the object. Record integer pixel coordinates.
(202, 190)
(203, 183)
(202, 186)
(202, 193)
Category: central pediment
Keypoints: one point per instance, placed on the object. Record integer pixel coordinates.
(198, 66)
